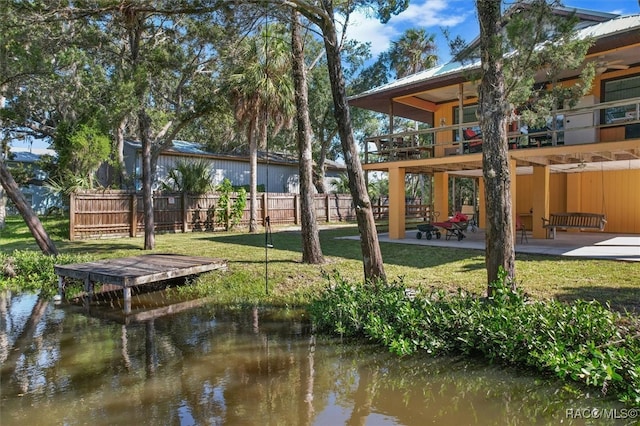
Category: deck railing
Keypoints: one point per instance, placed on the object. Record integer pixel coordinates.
(603, 122)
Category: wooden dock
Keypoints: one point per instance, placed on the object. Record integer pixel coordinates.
(128, 272)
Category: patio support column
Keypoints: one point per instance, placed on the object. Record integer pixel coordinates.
(513, 174)
(574, 195)
(391, 116)
(540, 200)
(482, 207)
(461, 115)
(397, 203)
(441, 195)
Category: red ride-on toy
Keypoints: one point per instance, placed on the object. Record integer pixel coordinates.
(455, 226)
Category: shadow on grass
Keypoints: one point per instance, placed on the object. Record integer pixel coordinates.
(333, 245)
(619, 299)
(97, 247)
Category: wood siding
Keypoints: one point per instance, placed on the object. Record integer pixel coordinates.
(613, 193)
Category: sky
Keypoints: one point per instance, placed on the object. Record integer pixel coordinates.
(458, 16)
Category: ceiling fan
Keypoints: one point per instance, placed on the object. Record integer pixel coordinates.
(579, 166)
(601, 65)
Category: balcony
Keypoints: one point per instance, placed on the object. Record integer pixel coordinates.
(571, 136)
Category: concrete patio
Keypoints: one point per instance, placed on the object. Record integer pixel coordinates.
(592, 245)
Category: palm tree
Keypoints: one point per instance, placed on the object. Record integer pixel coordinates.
(340, 184)
(414, 51)
(262, 93)
(190, 176)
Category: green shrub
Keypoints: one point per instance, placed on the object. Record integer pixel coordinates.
(28, 270)
(190, 176)
(229, 212)
(582, 341)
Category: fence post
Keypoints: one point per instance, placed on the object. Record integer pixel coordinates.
(185, 212)
(72, 216)
(296, 209)
(133, 218)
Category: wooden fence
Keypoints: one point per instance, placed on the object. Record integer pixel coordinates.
(113, 213)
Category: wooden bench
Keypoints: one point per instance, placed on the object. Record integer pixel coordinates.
(573, 220)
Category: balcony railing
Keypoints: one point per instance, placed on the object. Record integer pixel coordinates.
(607, 121)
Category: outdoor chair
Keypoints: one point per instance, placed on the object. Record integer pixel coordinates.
(522, 230)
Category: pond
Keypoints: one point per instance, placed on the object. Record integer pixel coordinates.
(210, 366)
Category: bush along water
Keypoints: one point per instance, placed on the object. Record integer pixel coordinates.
(28, 270)
(581, 341)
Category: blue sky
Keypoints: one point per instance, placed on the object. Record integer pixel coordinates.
(458, 16)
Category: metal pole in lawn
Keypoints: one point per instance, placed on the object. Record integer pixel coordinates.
(267, 220)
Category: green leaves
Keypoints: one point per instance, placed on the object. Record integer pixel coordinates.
(229, 213)
(543, 41)
(33, 270)
(190, 176)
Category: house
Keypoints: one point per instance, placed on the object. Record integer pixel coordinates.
(587, 158)
(277, 172)
(37, 194)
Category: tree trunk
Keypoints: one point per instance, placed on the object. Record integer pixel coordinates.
(119, 142)
(321, 172)
(311, 249)
(371, 255)
(3, 207)
(253, 181)
(322, 161)
(493, 110)
(147, 192)
(31, 219)
(23, 341)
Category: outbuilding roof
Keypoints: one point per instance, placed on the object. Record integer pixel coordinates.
(194, 149)
(30, 155)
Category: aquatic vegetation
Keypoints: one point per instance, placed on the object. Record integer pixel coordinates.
(582, 341)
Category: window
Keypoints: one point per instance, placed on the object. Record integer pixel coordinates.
(619, 90)
(468, 116)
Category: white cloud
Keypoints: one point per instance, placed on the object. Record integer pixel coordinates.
(368, 29)
(435, 13)
(430, 14)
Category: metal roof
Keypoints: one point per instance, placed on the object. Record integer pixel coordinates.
(30, 155)
(195, 149)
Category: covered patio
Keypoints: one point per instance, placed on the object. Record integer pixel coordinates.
(586, 172)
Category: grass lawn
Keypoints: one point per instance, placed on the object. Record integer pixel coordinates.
(291, 282)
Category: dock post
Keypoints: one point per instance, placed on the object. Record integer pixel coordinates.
(61, 287)
(127, 300)
(88, 289)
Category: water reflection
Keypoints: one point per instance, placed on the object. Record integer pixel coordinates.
(206, 367)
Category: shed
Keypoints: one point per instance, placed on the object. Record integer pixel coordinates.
(39, 196)
(278, 172)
